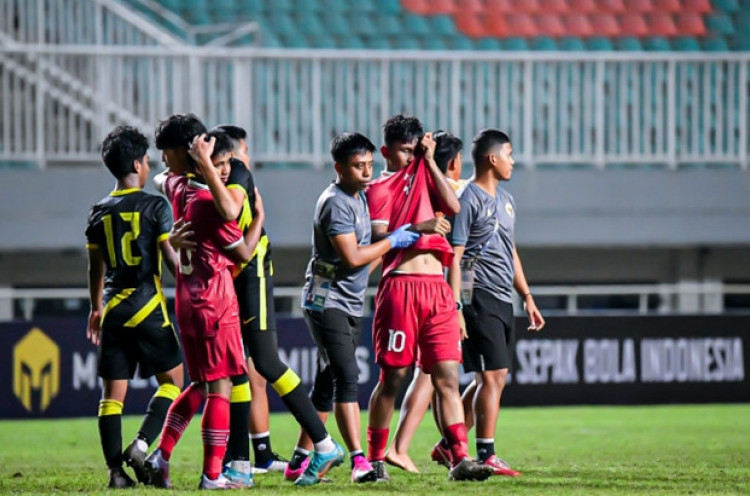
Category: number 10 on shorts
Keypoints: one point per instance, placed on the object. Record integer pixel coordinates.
(396, 340)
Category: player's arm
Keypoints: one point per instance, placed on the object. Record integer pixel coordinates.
(255, 229)
(228, 202)
(454, 279)
(447, 196)
(536, 321)
(354, 255)
(96, 289)
(171, 258)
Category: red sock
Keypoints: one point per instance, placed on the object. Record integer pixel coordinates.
(215, 431)
(179, 415)
(458, 440)
(377, 439)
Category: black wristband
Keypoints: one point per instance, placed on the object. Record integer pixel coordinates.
(459, 306)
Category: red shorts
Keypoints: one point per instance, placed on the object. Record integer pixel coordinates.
(211, 341)
(415, 315)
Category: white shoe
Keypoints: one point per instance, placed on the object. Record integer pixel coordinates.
(220, 482)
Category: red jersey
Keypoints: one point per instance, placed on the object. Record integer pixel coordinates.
(204, 280)
(408, 197)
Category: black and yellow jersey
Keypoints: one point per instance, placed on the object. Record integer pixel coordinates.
(240, 177)
(127, 227)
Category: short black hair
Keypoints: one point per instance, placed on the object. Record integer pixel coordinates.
(447, 147)
(485, 141)
(121, 147)
(235, 133)
(177, 131)
(223, 144)
(346, 145)
(402, 128)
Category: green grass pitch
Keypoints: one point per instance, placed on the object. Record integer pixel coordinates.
(693, 449)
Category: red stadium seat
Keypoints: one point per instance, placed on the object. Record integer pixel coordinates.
(584, 6)
(667, 6)
(438, 7)
(522, 25)
(605, 25)
(553, 7)
(690, 23)
(417, 6)
(504, 6)
(633, 25)
(551, 25)
(612, 6)
(660, 24)
(698, 6)
(496, 24)
(470, 23)
(578, 25)
(475, 6)
(528, 7)
(639, 6)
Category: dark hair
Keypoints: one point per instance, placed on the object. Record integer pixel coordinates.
(402, 128)
(485, 141)
(223, 144)
(121, 147)
(177, 131)
(235, 133)
(447, 148)
(346, 145)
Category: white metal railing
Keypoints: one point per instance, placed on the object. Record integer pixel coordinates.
(596, 109)
(680, 298)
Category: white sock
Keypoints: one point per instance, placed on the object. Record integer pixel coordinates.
(141, 445)
(325, 446)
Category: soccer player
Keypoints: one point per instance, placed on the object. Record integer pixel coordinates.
(415, 308)
(333, 296)
(254, 287)
(126, 239)
(420, 391)
(484, 272)
(208, 318)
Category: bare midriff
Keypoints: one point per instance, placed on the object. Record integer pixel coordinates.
(420, 262)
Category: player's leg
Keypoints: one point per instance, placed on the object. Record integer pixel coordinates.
(159, 355)
(414, 406)
(215, 431)
(266, 460)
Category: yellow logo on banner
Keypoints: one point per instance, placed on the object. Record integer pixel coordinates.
(36, 367)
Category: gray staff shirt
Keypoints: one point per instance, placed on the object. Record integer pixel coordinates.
(338, 212)
(485, 226)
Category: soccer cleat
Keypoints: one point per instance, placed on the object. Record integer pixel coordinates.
(319, 465)
(363, 471)
(469, 470)
(239, 473)
(292, 474)
(136, 459)
(442, 456)
(220, 482)
(118, 479)
(500, 467)
(157, 469)
(381, 474)
(276, 464)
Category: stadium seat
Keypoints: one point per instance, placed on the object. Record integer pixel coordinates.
(690, 24)
(657, 44)
(727, 6)
(443, 25)
(612, 6)
(389, 24)
(543, 43)
(488, 44)
(416, 24)
(361, 23)
(494, 24)
(377, 42)
(605, 25)
(336, 24)
(661, 24)
(444, 7)
(584, 6)
(720, 24)
(697, 6)
(354, 42)
(715, 44)
(476, 6)
(311, 25)
(498, 6)
(470, 24)
(432, 42)
(670, 6)
(404, 42)
(686, 44)
(628, 44)
(572, 44)
(321, 40)
(527, 7)
(550, 25)
(363, 6)
(633, 25)
(515, 43)
(641, 6)
(599, 43)
(741, 42)
(522, 25)
(307, 7)
(458, 42)
(282, 25)
(553, 7)
(578, 25)
(278, 6)
(390, 6)
(294, 40)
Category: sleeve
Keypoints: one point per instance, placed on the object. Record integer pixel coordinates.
(336, 217)
(461, 223)
(240, 177)
(163, 218)
(93, 236)
(379, 204)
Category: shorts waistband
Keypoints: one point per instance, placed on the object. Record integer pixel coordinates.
(426, 277)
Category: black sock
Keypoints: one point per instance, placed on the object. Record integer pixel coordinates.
(110, 435)
(485, 449)
(262, 448)
(298, 457)
(238, 445)
(299, 404)
(154, 419)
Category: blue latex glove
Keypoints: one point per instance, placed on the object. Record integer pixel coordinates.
(401, 238)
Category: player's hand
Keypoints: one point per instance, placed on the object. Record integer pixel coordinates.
(437, 225)
(94, 327)
(201, 148)
(536, 321)
(428, 146)
(180, 237)
(402, 237)
(462, 325)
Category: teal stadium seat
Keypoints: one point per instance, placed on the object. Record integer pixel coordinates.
(432, 42)
(389, 25)
(458, 42)
(656, 44)
(741, 42)
(515, 43)
(277, 6)
(416, 24)
(337, 25)
(599, 44)
(572, 44)
(715, 44)
(543, 43)
(443, 25)
(354, 42)
(307, 7)
(310, 25)
(686, 44)
(489, 44)
(628, 44)
(368, 6)
(728, 6)
(390, 6)
(282, 25)
(378, 42)
(404, 42)
(361, 24)
(321, 40)
(720, 24)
